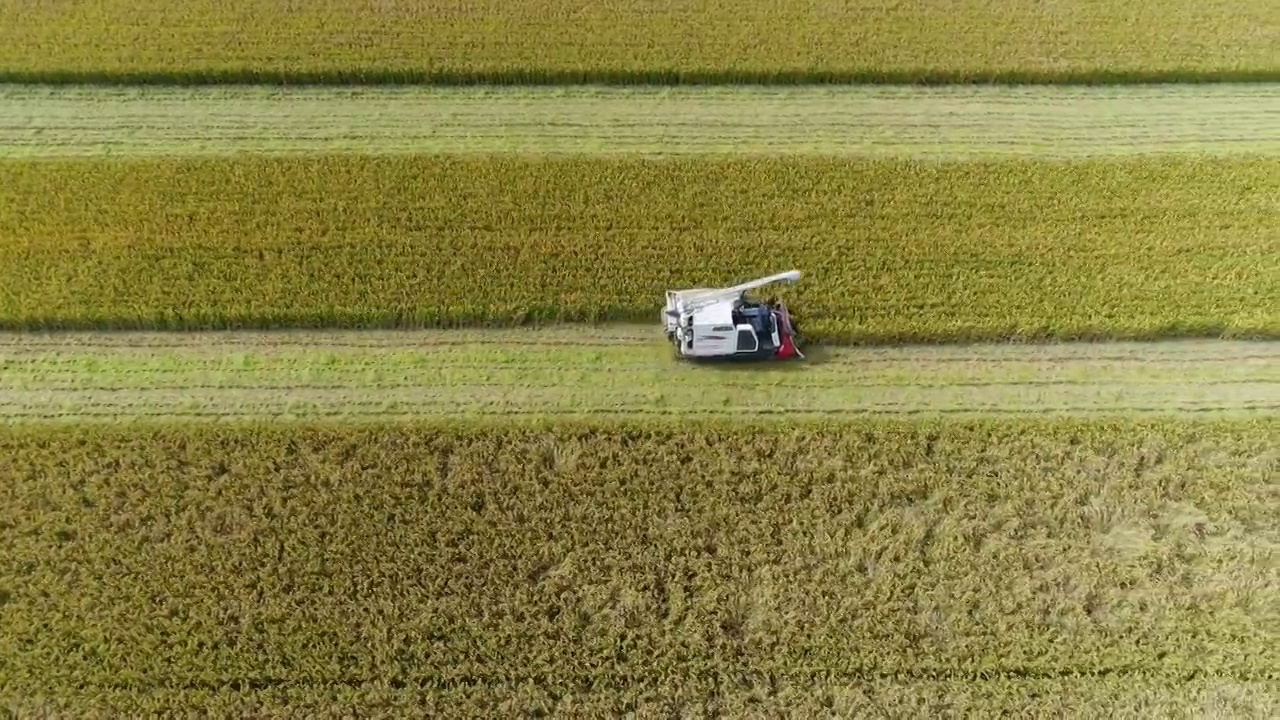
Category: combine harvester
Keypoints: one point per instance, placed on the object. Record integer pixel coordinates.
(725, 324)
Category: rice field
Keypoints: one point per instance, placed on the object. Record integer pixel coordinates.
(332, 381)
(894, 250)
(877, 567)
(638, 41)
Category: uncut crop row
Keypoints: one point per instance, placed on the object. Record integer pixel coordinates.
(631, 557)
(1127, 695)
(892, 250)
(636, 40)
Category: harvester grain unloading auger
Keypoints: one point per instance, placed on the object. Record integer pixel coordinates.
(725, 323)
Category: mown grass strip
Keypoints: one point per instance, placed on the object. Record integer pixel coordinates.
(615, 372)
(893, 250)
(948, 122)
(461, 558)
(631, 41)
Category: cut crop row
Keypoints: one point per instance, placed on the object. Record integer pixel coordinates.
(629, 558)
(631, 41)
(892, 250)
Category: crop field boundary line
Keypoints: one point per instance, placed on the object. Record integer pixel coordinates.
(117, 418)
(1254, 333)
(537, 338)
(570, 427)
(356, 77)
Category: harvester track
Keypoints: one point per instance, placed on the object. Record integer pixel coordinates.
(611, 371)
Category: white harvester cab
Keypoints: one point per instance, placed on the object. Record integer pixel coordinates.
(726, 323)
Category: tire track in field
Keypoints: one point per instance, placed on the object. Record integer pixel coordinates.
(946, 122)
(612, 371)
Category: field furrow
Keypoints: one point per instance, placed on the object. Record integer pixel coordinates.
(944, 122)
(617, 371)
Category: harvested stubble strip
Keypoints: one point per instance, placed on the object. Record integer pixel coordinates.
(630, 41)
(900, 122)
(620, 371)
(893, 250)
(475, 562)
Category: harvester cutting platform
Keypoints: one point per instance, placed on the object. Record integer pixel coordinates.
(724, 323)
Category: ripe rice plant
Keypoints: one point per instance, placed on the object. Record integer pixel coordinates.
(893, 250)
(495, 567)
(630, 41)
(1082, 697)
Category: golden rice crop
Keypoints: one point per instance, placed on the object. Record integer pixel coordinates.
(1125, 695)
(630, 40)
(893, 249)
(487, 563)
